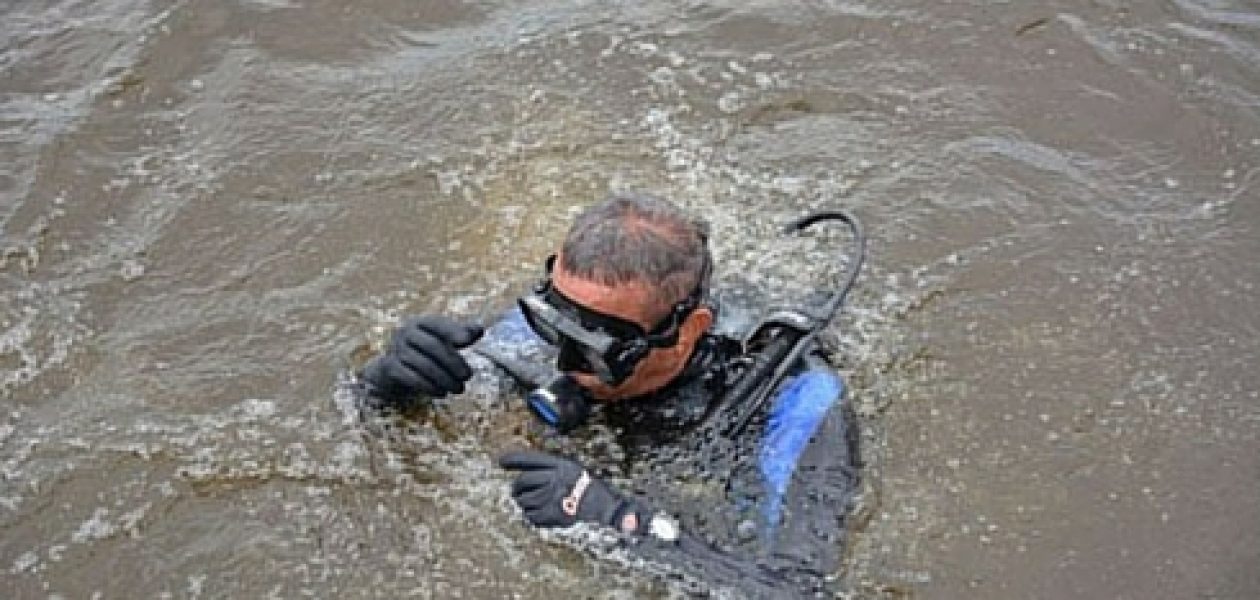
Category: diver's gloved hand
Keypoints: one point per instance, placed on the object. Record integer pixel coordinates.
(422, 358)
(556, 492)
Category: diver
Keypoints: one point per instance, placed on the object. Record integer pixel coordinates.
(756, 419)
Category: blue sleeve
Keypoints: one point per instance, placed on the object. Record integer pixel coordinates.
(808, 462)
(797, 412)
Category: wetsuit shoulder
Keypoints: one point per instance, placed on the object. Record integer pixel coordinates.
(808, 459)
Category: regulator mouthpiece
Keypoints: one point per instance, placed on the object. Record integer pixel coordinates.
(562, 404)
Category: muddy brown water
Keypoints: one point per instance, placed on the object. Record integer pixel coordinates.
(209, 208)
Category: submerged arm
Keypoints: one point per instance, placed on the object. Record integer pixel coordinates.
(557, 492)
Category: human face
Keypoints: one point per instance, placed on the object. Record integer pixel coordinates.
(591, 341)
(634, 302)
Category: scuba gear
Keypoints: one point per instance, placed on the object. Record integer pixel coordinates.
(767, 386)
(557, 492)
(766, 354)
(796, 414)
(589, 341)
(664, 527)
(554, 398)
(561, 403)
(422, 358)
(775, 345)
(513, 347)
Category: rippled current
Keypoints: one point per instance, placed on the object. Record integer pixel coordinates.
(210, 209)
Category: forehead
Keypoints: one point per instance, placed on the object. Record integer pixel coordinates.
(632, 301)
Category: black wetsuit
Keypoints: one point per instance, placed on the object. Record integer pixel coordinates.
(669, 451)
(751, 522)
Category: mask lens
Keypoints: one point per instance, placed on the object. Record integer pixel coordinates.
(581, 349)
(572, 359)
(578, 358)
(607, 346)
(540, 325)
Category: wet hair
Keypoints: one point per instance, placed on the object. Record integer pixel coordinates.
(633, 237)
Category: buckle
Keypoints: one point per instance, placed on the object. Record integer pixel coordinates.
(571, 502)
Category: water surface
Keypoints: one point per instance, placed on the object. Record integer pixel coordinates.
(209, 208)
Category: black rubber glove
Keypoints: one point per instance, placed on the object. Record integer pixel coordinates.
(422, 358)
(556, 492)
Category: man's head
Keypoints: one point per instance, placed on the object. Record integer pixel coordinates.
(633, 267)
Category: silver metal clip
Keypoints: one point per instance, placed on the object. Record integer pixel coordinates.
(571, 502)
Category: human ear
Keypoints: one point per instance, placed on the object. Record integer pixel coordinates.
(695, 325)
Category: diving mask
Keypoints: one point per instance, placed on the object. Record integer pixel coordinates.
(593, 342)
